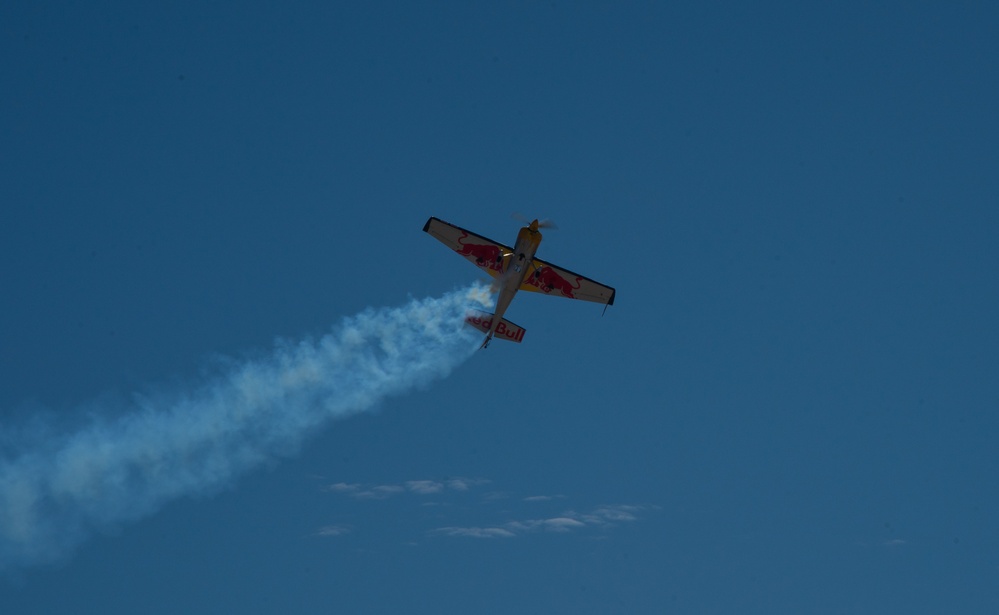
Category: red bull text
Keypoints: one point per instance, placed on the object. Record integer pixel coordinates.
(504, 330)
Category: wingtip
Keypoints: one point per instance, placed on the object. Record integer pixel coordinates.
(609, 303)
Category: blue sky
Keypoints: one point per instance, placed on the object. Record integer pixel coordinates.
(791, 407)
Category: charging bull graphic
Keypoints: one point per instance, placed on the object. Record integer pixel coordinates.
(484, 255)
(548, 281)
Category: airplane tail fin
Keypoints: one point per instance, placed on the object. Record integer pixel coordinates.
(505, 330)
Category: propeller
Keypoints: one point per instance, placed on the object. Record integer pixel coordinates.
(546, 223)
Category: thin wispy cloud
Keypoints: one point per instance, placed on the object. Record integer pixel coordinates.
(343, 488)
(464, 484)
(379, 492)
(569, 521)
(476, 532)
(418, 487)
(424, 487)
(555, 524)
(331, 531)
(609, 514)
(453, 497)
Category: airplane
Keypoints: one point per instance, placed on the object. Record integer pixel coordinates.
(515, 269)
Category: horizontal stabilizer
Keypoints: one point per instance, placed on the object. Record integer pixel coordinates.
(505, 330)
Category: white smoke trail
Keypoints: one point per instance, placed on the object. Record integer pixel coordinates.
(115, 470)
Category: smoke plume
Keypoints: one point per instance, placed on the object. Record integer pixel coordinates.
(55, 492)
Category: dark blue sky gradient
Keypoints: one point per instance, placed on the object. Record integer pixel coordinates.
(794, 398)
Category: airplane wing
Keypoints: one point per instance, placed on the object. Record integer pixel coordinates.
(551, 280)
(485, 254)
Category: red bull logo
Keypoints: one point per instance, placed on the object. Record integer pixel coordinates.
(505, 329)
(484, 255)
(548, 280)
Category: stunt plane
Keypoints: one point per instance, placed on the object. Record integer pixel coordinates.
(515, 269)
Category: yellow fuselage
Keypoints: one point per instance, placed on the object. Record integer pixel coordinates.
(515, 268)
